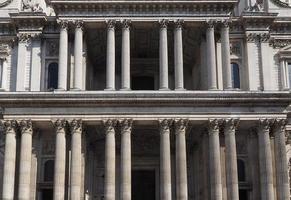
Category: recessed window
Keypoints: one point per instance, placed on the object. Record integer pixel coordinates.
(48, 172)
(235, 75)
(53, 69)
(241, 170)
(143, 83)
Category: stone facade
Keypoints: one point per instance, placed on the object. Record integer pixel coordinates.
(145, 100)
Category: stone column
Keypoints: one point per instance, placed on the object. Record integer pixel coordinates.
(60, 159)
(165, 160)
(125, 162)
(282, 174)
(21, 80)
(110, 57)
(211, 60)
(214, 160)
(76, 159)
(78, 56)
(125, 56)
(265, 158)
(181, 159)
(164, 74)
(225, 57)
(63, 56)
(231, 159)
(178, 56)
(25, 160)
(109, 184)
(9, 159)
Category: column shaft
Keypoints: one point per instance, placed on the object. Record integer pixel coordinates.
(181, 160)
(231, 160)
(165, 160)
(9, 160)
(214, 161)
(76, 160)
(125, 57)
(109, 185)
(20, 74)
(211, 60)
(178, 56)
(25, 160)
(60, 160)
(78, 55)
(164, 74)
(282, 174)
(63, 57)
(110, 57)
(125, 163)
(226, 66)
(265, 157)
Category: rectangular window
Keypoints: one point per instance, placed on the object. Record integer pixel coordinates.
(289, 73)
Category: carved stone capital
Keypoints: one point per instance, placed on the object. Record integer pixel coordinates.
(264, 125)
(165, 125)
(60, 125)
(79, 24)
(164, 23)
(126, 23)
(111, 23)
(178, 23)
(25, 126)
(225, 23)
(64, 24)
(126, 125)
(279, 124)
(213, 125)
(230, 124)
(76, 126)
(109, 125)
(181, 125)
(9, 126)
(210, 24)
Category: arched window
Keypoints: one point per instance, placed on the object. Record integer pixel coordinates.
(48, 172)
(241, 170)
(235, 75)
(53, 69)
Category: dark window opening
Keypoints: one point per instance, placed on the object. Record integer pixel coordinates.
(241, 170)
(235, 75)
(143, 83)
(53, 69)
(47, 194)
(243, 194)
(48, 172)
(143, 185)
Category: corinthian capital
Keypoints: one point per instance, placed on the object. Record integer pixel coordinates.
(126, 125)
(109, 125)
(214, 124)
(64, 24)
(181, 125)
(60, 125)
(165, 124)
(179, 23)
(265, 124)
(25, 126)
(111, 23)
(280, 124)
(164, 23)
(230, 124)
(76, 126)
(9, 126)
(126, 23)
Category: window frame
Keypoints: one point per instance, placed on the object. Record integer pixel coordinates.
(239, 71)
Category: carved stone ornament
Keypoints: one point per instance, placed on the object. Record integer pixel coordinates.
(109, 125)
(126, 125)
(164, 23)
(230, 124)
(264, 125)
(126, 23)
(210, 23)
(181, 125)
(252, 37)
(5, 50)
(76, 126)
(4, 2)
(179, 23)
(31, 6)
(283, 3)
(25, 126)
(110, 23)
(60, 125)
(280, 124)
(79, 24)
(64, 24)
(213, 125)
(9, 126)
(165, 124)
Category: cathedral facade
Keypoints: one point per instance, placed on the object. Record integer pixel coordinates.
(145, 99)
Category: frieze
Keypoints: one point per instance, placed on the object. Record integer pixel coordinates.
(280, 43)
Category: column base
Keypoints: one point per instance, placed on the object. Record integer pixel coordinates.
(164, 89)
(109, 89)
(59, 90)
(180, 89)
(125, 89)
(75, 89)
